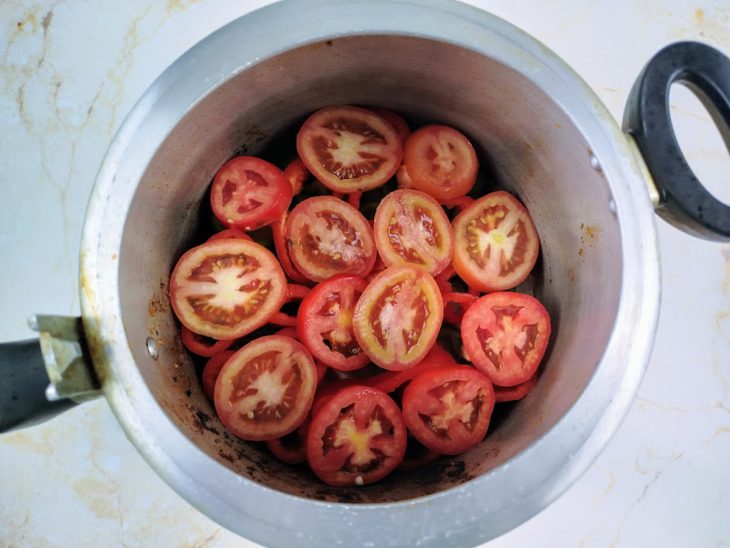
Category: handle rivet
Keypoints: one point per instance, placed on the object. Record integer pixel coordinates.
(152, 348)
(595, 164)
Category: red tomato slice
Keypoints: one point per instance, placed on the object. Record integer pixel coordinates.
(356, 437)
(296, 173)
(496, 243)
(417, 455)
(389, 381)
(324, 322)
(411, 227)
(211, 371)
(279, 232)
(249, 193)
(202, 346)
(292, 332)
(227, 288)
(349, 148)
(404, 180)
(513, 393)
(448, 409)
(397, 121)
(265, 390)
(326, 236)
(290, 448)
(441, 162)
(398, 317)
(505, 335)
(229, 233)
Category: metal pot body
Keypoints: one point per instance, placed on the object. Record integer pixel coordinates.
(546, 137)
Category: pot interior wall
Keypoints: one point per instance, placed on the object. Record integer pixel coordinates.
(524, 139)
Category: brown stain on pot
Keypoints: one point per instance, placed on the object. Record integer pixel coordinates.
(589, 235)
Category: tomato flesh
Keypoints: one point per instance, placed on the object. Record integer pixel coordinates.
(505, 335)
(349, 149)
(448, 409)
(440, 161)
(200, 345)
(411, 227)
(324, 323)
(504, 394)
(389, 381)
(211, 371)
(496, 243)
(356, 437)
(326, 236)
(265, 390)
(397, 121)
(226, 288)
(249, 193)
(398, 317)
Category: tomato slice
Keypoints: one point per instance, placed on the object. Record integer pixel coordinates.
(279, 233)
(296, 173)
(265, 390)
(211, 371)
(389, 381)
(229, 233)
(290, 448)
(505, 335)
(417, 456)
(513, 393)
(397, 121)
(349, 148)
(356, 437)
(326, 236)
(448, 409)
(440, 161)
(202, 346)
(496, 243)
(226, 288)
(292, 332)
(324, 322)
(411, 227)
(398, 317)
(249, 193)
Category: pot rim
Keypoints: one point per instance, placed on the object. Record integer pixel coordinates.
(273, 517)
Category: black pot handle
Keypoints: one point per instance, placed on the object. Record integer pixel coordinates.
(683, 201)
(23, 386)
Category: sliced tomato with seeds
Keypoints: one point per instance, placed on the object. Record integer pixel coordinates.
(324, 322)
(448, 409)
(211, 371)
(201, 345)
(440, 161)
(496, 243)
(356, 437)
(249, 193)
(349, 149)
(389, 381)
(504, 394)
(505, 335)
(278, 229)
(398, 317)
(411, 227)
(265, 390)
(226, 288)
(326, 236)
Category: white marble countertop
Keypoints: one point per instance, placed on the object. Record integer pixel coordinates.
(72, 69)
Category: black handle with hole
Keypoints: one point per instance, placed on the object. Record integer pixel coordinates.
(683, 201)
(23, 382)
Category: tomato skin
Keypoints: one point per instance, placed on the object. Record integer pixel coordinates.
(398, 317)
(389, 381)
(438, 421)
(331, 143)
(397, 121)
(279, 233)
(507, 245)
(327, 236)
(248, 193)
(229, 233)
(411, 227)
(356, 437)
(505, 335)
(328, 309)
(211, 371)
(199, 346)
(440, 161)
(266, 389)
(290, 448)
(296, 173)
(226, 288)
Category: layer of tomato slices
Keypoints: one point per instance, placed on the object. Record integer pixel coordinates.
(496, 242)
(265, 390)
(226, 288)
(505, 335)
